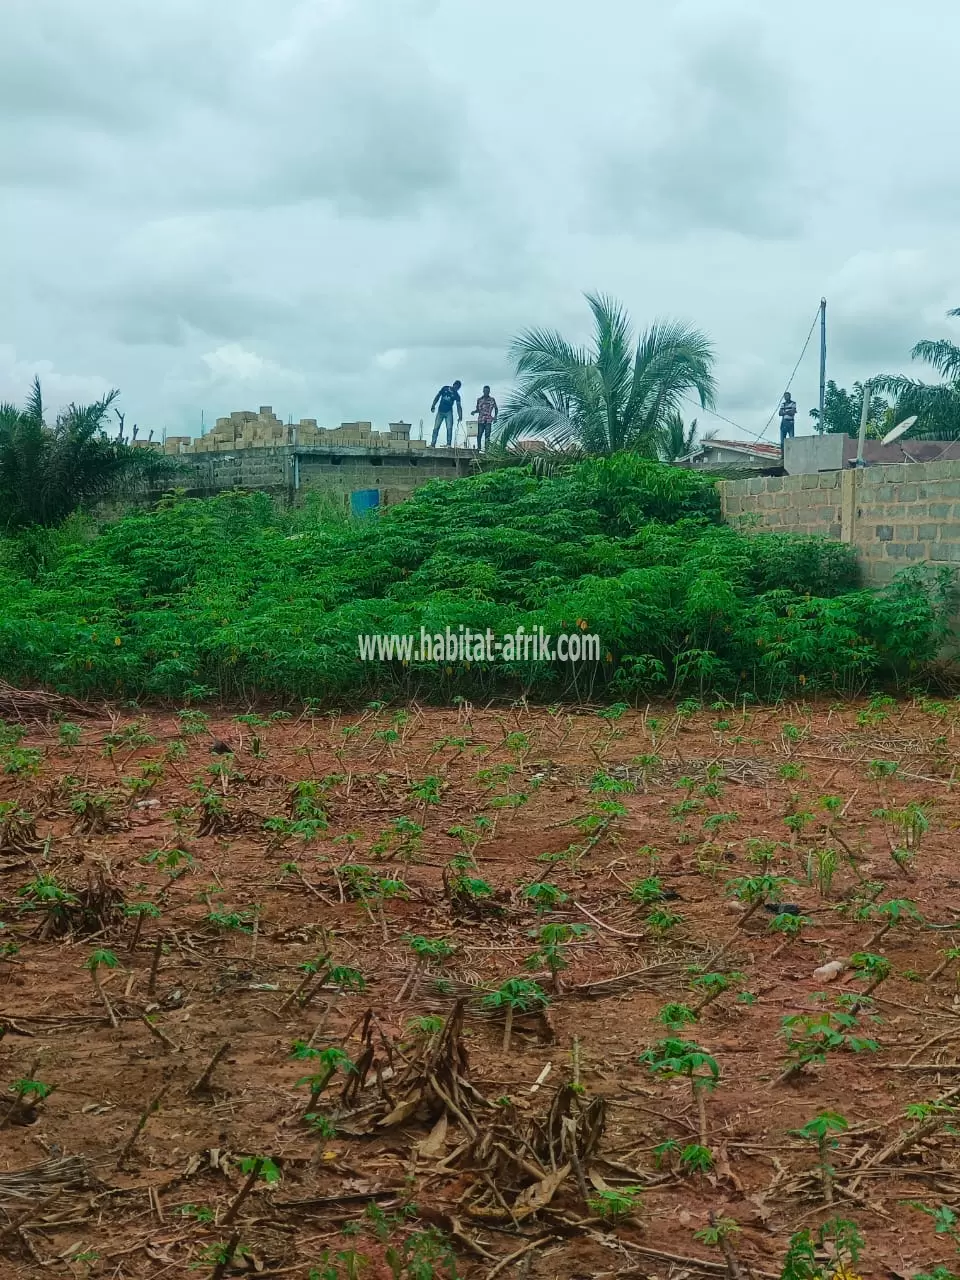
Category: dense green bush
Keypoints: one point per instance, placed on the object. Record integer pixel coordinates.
(234, 597)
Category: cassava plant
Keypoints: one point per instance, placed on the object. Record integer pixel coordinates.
(553, 940)
(516, 995)
(872, 968)
(685, 1059)
(820, 1130)
(326, 1063)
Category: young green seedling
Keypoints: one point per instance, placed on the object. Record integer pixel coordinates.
(891, 913)
(543, 896)
(553, 940)
(676, 1016)
(425, 950)
(755, 892)
(685, 1059)
(822, 866)
(647, 891)
(615, 1206)
(344, 978)
(327, 1063)
(950, 955)
(97, 960)
(711, 986)
(875, 969)
(819, 1130)
(719, 1235)
(811, 1036)
(27, 1096)
(139, 911)
(790, 926)
(517, 995)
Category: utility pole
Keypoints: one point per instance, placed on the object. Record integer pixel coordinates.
(864, 415)
(823, 361)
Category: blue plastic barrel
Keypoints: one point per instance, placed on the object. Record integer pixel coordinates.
(363, 501)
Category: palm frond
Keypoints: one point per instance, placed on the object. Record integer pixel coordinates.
(47, 472)
(613, 396)
(34, 406)
(941, 354)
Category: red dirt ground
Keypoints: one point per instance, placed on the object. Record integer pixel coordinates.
(218, 985)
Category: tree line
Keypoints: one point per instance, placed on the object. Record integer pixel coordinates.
(617, 392)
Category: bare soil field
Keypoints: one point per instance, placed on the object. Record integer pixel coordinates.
(502, 992)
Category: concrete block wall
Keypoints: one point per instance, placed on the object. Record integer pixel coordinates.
(907, 514)
(787, 504)
(396, 474)
(896, 515)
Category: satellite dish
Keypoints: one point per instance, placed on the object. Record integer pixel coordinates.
(896, 432)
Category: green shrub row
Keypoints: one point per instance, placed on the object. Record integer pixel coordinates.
(236, 598)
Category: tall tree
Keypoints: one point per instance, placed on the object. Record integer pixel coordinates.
(614, 394)
(47, 472)
(936, 404)
(842, 410)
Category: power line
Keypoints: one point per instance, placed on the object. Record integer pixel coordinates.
(763, 429)
(730, 422)
(703, 409)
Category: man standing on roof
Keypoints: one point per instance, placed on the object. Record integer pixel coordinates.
(486, 412)
(788, 412)
(443, 402)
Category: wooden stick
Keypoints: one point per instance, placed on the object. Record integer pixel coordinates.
(154, 966)
(308, 977)
(103, 996)
(634, 937)
(518, 1254)
(256, 935)
(131, 1141)
(252, 1176)
(202, 1084)
(220, 1270)
(157, 1031)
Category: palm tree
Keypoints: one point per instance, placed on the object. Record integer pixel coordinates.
(936, 404)
(48, 472)
(611, 395)
(678, 440)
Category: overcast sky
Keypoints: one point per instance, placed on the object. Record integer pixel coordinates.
(333, 206)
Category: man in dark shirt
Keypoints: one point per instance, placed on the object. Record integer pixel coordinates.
(443, 402)
(486, 412)
(788, 412)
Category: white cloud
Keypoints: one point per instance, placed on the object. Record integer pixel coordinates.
(233, 363)
(58, 389)
(335, 206)
(390, 359)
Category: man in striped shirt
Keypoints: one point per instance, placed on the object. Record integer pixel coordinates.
(486, 412)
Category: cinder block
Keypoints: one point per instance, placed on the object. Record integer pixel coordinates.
(927, 532)
(946, 551)
(940, 510)
(829, 479)
(810, 482)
